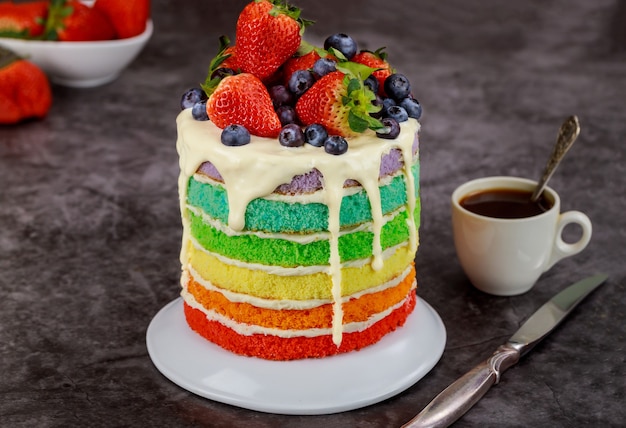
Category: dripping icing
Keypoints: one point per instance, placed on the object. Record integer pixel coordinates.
(255, 170)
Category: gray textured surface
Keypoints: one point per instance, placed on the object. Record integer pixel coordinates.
(90, 229)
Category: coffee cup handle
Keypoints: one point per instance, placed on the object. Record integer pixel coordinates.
(562, 249)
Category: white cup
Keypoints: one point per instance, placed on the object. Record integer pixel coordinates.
(505, 257)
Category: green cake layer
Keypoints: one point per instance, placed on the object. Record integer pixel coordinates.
(251, 248)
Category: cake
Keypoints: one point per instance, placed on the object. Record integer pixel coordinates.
(298, 238)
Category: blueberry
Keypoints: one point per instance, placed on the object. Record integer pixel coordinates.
(300, 81)
(280, 96)
(343, 43)
(378, 102)
(223, 72)
(291, 136)
(372, 83)
(235, 135)
(412, 107)
(397, 86)
(335, 145)
(198, 111)
(391, 130)
(323, 66)
(286, 115)
(388, 102)
(191, 97)
(315, 135)
(396, 112)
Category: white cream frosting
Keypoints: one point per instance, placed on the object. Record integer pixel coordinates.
(291, 271)
(256, 169)
(249, 329)
(276, 304)
(293, 237)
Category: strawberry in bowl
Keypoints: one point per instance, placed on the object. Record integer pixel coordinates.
(78, 44)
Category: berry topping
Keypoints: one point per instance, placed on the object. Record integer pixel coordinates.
(299, 62)
(343, 43)
(388, 102)
(191, 97)
(378, 61)
(280, 96)
(300, 82)
(391, 129)
(198, 111)
(412, 107)
(371, 83)
(397, 86)
(396, 112)
(243, 99)
(286, 115)
(222, 72)
(276, 85)
(335, 145)
(267, 34)
(315, 135)
(340, 102)
(378, 103)
(291, 136)
(235, 135)
(323, 66)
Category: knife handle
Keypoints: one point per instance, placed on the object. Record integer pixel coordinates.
(460, 396)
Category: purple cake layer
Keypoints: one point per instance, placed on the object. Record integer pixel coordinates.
(311, 181)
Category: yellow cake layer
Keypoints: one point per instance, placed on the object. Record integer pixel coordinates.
(358, 309)
(282, 284)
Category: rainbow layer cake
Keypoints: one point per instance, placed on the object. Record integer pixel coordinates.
(299, 194)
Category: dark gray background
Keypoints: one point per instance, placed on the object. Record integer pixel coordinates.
(90, 228)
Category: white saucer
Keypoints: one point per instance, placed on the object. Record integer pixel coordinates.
(302, 387)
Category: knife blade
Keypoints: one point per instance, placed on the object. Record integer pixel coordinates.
(454, 401)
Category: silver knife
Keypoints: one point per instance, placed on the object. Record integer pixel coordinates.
(454, 401)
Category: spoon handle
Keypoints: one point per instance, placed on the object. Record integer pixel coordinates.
(567, 135)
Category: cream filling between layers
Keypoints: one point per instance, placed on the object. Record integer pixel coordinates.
(249, 329)
(286, 303)
(256, 169)
(293, 271)
(300, 238)
(302, 198)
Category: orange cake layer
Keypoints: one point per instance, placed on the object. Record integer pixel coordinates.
(291, 348)
(354, 310)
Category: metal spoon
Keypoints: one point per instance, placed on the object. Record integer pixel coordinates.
(567, 135)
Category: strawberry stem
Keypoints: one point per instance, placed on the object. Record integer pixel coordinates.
(57, 12)
(281, 7)
(210, 82)
(7, 57)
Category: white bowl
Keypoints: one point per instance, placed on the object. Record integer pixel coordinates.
(81, 64)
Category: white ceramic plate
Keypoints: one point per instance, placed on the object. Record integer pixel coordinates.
(302, 387)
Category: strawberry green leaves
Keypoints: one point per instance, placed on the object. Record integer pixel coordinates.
(213, 79)
(359, 99)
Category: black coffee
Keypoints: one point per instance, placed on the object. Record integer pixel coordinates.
(505, 203)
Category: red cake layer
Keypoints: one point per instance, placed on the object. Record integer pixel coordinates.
(280, 348)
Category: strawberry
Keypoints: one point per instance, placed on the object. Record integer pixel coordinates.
(129, 17)
(340, 102)
(268, 33)
(22, 20)
(230, 58)
(377, 60)
(295, 63)
(73, 21)
(85, 24)
(243, 99)
(24, 89)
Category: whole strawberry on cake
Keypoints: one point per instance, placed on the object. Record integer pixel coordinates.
(299, 192)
